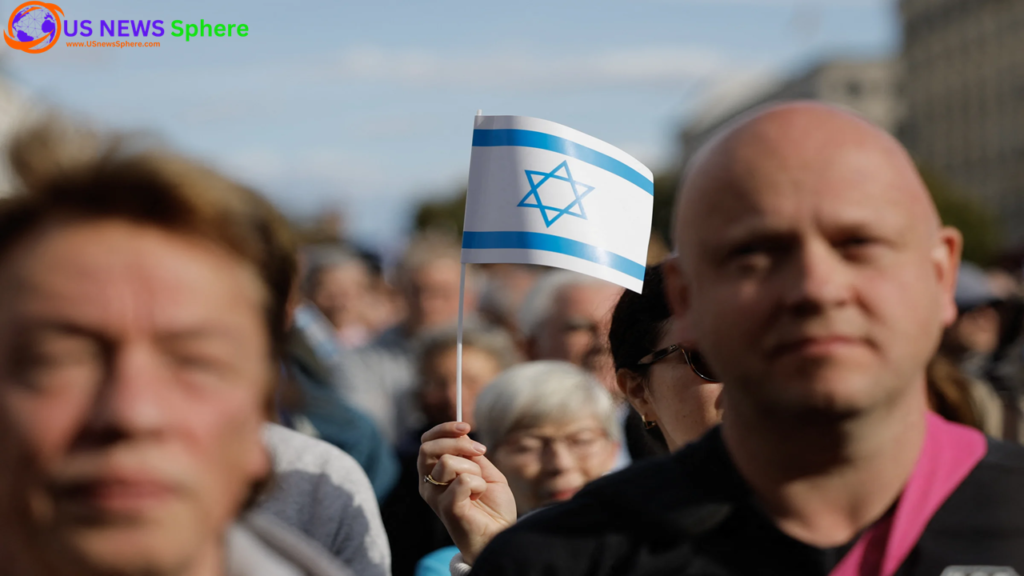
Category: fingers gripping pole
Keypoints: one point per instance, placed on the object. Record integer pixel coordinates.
(458, 347)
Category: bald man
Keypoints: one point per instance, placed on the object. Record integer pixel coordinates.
(813, 272)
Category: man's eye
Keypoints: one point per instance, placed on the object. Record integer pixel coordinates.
(856, 246)
(750, 259)
(745, 250)
(58, 351)
(198, 363)
(54, 362)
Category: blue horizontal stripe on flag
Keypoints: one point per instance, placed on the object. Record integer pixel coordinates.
(551, 243)
(532, 139)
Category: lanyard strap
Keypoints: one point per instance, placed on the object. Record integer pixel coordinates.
(949, 453)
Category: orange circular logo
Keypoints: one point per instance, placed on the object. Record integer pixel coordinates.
(34, 27)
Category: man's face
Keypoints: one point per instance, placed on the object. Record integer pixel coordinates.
(432, 294)
(577, 329)
(438, 390)
(341, 294)
(812, 278)
(134, 364)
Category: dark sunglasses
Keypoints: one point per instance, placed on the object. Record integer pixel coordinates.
(694, 360)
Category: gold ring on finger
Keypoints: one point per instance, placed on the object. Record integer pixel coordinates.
(428, 479)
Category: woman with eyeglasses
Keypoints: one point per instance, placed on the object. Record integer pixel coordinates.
(548, 428)
(673, 389)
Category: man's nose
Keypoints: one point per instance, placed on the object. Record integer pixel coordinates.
(134, 400)
(819, 278)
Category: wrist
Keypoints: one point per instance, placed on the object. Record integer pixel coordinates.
(459, 566)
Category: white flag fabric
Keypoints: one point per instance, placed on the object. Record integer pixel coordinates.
(543, 193)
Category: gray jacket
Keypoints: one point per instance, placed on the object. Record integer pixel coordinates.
(323, 493)
(259, 545)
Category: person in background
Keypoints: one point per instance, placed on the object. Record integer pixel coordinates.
(505, 287)
(413, 529)
(958, 398)
(978, 345)
(313, 400)
(974, 336)
(548, 428)
(566, 316)
(672, 390)
(143, 312)
(428, 279)
(385, 306)
(338, 283)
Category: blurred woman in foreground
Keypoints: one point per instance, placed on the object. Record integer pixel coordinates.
(549, 428)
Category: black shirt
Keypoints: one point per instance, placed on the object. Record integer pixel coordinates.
(692, 514)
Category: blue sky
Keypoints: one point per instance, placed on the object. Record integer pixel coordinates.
(367, 107)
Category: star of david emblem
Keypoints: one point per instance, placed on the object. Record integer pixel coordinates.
(551, 213)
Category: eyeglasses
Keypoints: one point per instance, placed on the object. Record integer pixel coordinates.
(581, 444)
(694, 359)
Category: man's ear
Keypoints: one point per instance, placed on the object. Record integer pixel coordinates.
(946, 261)
(632, 387)
(677, 293)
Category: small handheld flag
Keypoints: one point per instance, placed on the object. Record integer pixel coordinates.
(543, 193)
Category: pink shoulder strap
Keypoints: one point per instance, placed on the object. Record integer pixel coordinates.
(949, 454)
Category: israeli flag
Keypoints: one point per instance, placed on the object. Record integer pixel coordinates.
(543, 193)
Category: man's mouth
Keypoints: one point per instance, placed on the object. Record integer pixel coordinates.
(817, 345)
(116, 495)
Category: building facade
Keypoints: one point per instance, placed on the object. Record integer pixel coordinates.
(869, 87)
(963, 63)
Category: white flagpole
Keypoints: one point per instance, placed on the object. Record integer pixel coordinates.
(458, 337)
(458, 347)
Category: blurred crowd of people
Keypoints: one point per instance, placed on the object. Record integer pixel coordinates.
(184, 387)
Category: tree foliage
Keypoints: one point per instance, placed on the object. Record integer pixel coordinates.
(982, 237)
(444, 215)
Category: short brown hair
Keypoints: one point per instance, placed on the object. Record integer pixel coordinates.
(69, 173)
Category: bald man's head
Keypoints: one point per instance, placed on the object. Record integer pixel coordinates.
(811, 264)
(798, 141)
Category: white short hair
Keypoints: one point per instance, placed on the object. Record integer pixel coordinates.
(542, 392)
(540, 300)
